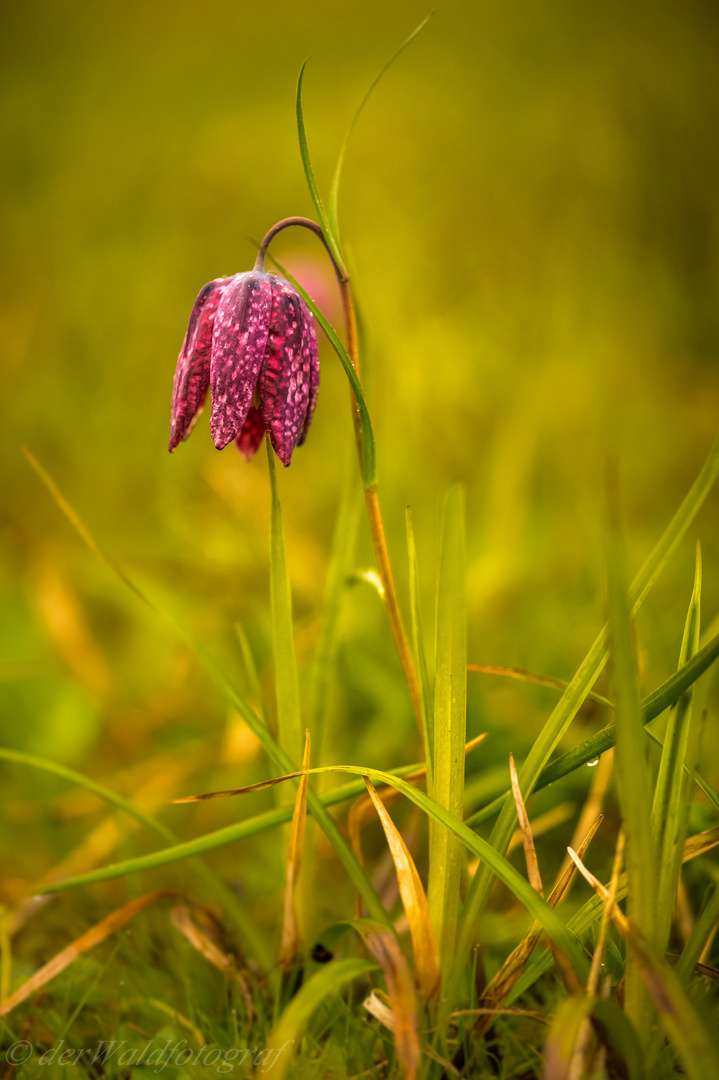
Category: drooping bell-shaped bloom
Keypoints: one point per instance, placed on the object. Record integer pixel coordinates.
(251, 341)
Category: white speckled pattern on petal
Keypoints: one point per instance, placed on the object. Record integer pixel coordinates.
(311, 364)
(283, 384)
(239, 342)
(192, 375)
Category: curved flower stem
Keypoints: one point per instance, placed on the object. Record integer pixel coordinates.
(374, 512)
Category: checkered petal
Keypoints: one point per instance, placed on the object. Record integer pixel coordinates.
(310, 365)
(239, 342)
(284, 383)
(192, 375)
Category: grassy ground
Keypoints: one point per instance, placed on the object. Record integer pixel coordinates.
(529, 214)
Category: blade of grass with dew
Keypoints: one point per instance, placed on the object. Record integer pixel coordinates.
(568, 705)
(420, 660)
(334, 189)
(632, 773)
(446, 857)
(273, 750)
(329, 980)
(289, 724)
(330, 236)
(673, 792)
(369, 476)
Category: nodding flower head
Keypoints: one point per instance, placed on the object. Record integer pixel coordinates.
(251, 341)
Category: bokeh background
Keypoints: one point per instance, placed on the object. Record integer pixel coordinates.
(530, 210)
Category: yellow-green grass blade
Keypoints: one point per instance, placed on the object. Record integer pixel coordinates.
(632, 773)
(420, 659)
(673, 792)
(446, 857)
(703, 928)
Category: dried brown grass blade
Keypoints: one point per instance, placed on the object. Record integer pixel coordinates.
(700, 844)
(291, 935)
(402, 998)
(86, 941)
(530, 852)
(414, 901)
(377, 1004)
(533, 677)
(363, 810)
(507, 976)
(238, 791)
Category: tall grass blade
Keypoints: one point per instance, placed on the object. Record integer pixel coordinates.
(420, 659)
(446, 858)
(289, 724)
(567, 707)
(632, 772)
(672, 796)
(334, 190)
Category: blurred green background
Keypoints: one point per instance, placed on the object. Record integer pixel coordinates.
(530, 209)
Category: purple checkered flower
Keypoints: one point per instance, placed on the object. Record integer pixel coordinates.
(251, 341)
